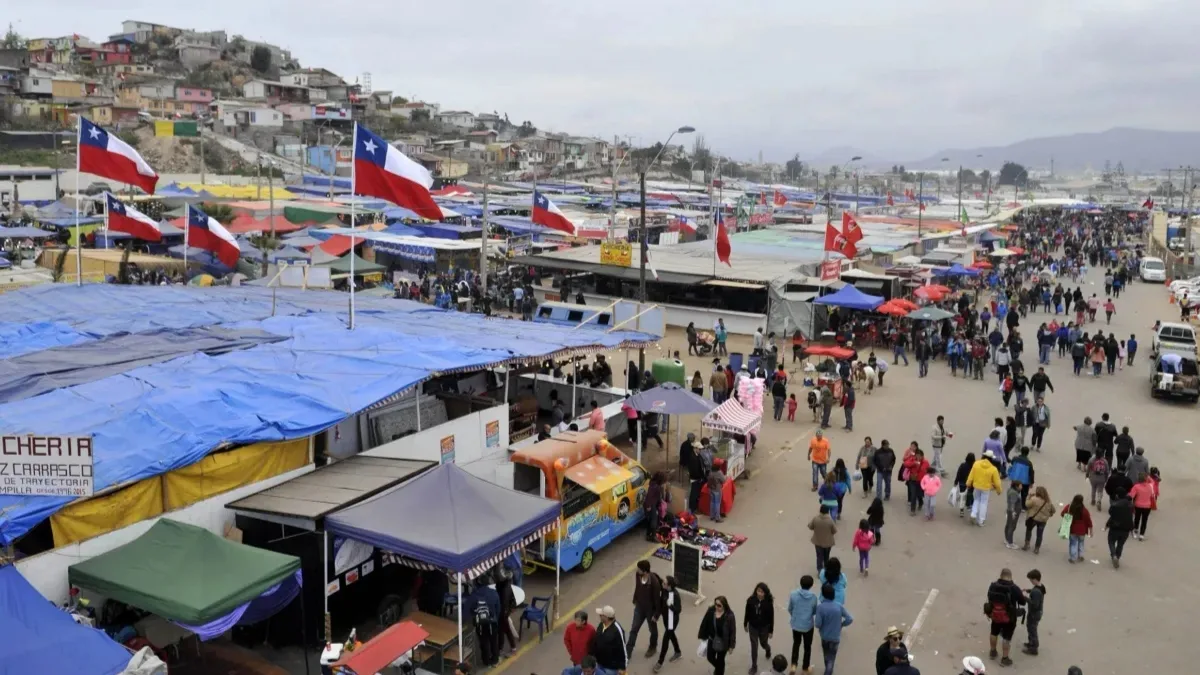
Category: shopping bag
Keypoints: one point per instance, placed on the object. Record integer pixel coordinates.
(702, 649)
(1064, 529)
(954, 496)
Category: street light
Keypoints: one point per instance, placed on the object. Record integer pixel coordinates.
(853, 160)
(644, 235)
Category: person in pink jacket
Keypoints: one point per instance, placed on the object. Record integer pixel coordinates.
(930, 484)
(1145, 499)
(864, 538)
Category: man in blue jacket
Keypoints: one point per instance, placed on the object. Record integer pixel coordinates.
(830, 619)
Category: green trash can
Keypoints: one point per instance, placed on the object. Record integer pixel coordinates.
(669, 370)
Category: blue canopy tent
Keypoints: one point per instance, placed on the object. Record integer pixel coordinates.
(24, 233)
(850, 298)
(956, 270)
(467, 524)
(41, 638)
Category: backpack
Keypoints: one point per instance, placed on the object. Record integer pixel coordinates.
(1019, 471)
(1099, 467)
(482, 614)
(997, 605)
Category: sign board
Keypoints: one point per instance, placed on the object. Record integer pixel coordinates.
(831, 269)
(51, 466)
(492, 433)
(447, 446)
(686, 561)
(735, 466)
(618, 253)
(518, 245)
(762, 219)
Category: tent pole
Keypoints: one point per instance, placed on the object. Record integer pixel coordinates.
(303, 630)
(557, 568)
(507, 372)
(460, 613)
(639, 438)
(325, 580)
(574, 386)
(418, 407)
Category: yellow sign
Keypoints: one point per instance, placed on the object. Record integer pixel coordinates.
(616, 253)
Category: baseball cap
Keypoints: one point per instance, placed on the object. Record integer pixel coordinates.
(607, 611)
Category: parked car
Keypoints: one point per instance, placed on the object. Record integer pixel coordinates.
(1178, 283)
(1178, 336)
(1175, 380)
(1152, 269)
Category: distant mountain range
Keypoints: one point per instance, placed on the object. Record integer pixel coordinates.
(1139, 150)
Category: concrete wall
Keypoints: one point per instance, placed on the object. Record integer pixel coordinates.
(468, 441)
(47, 571)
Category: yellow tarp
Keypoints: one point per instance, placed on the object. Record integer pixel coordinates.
(225, 471)
(164, 128)
(96, 516)
(242, 191)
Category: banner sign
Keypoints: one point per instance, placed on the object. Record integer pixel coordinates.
(831, 269)
(618, 253)
(51, 466)
(519, 245)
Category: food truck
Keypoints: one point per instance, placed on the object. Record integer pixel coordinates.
(601, 490)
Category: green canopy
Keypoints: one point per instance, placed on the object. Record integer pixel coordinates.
(302, 215)
(342, 265)
(183, 573)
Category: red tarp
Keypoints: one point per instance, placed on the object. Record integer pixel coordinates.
(337, 245)
(832, 352)
(381, 650)
(246, 223)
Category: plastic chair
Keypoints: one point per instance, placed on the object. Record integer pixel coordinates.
(449, 604)
(536, 614)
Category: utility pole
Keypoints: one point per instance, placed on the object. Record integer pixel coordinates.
(202, 163)
(612, 211)
(1170, 190)
(643, 245)
(856, 195)
(920, 208)
(258, 178)
(958, 216)
(483, 244)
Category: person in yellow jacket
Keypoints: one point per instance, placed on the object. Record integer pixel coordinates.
(983, 478)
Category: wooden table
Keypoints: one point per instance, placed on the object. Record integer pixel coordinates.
(443, 634)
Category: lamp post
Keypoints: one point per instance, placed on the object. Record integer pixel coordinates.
(643, 243)
(856, 195)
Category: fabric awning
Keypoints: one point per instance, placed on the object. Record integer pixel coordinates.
(183, 573)
(732, 418)
(361, 266)
(426, 254)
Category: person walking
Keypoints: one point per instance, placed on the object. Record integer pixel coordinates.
(609, 646)
(1078, 528)
(885, 464)
(759, 622)
(818, 456)
(883, 654)
(831, 618)
(1014, 506)
(930, 484)
(1124, 448)
(1004, 599)
(912, 469)
(671, 606)
(1098, 471)
(863, 539)
(718, 383)
(1085, 444)
(938, 441)
(983, 478)
(802, 610)
(1106, 436)
(1145, 499)
(823, 533)
(965, 494)
(579, 638)
(833, 575)
(779, 397)
(1020, 471)
(1041, 423)
(849, 398)
(1118, 526)
(1037, 603)
(693, 339)
(1137, 465)
(647, 606)
(865, 461)
(718, 629)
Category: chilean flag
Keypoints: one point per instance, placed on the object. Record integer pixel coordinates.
(122, 218)
(206, 233)
(384, 172)
(105, 155)
(546, 214)
(890, 201)
(1148, 204)
(686, 223)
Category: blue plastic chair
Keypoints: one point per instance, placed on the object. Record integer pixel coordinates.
(536, 614)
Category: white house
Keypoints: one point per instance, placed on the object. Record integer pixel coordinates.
(38, 82)
(457, 118)
(406, 110)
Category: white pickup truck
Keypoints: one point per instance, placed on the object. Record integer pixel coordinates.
(1179, 336)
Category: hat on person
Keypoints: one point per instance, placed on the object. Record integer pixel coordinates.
(895, 632)
(974, 665)
(988, 454)
(607, 612)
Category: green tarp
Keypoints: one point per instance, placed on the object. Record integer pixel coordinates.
(309, 214)
(183, 573)
(342, 266)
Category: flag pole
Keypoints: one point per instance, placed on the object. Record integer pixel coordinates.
(106, 240)
(353, 200)
(187, 227)
(78, 235)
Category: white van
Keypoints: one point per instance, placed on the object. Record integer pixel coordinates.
(1153, 269)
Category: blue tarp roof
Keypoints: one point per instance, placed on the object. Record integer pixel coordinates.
(850, 298)
(71, 221)
(41, 638)
(517, 224)
(160, 417)
(324, 181)
(403, 230)
(443, 230)
(24, 233)
(465, 522)
(400, 213)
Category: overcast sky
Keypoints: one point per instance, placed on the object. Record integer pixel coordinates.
(896, 80)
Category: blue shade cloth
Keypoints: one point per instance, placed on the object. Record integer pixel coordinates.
(956, 270)
(163, 416)
(24, 233)
(259, 609)
(670, 399)
(40, 638)
(403, 230)
(850, 298)
(465, 521)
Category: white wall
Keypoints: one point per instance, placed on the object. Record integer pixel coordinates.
(471, 449)
(47, 571)
(736, 323)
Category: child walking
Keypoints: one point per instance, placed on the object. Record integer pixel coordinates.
(792, 404)
(1122, 355)
(863, 538)
(875, 520)
(930, 485)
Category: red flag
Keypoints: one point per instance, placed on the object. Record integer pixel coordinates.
(921, 206)
(780, 200)
(836, 242)
(762, 199)
(889, 201)
(1148, 204)
(850, 228)
(723, 246)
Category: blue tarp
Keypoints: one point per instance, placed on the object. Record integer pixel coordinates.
(71, 221)
(324, 181)
(517, 224)
(400, 213)
(403, 230)
(164, 416)
(850, 298)
(466, 522)
(444, 230)
(24, 233)
(40, 638)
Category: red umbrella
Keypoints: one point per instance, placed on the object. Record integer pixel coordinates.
(982, 265)
(940, 288)
(929, 293)
(904, 304)
(893, 309)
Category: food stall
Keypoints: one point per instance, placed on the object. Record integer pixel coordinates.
(734, 428)
(391, 649)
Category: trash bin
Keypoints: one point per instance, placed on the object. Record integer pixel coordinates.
(753, 364)
(735, 361)
(669, 370)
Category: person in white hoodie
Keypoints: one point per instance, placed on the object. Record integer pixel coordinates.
(938, 440)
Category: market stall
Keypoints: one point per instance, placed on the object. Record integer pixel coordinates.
(734, 428)
(191, 579)
(467, 526)
(394, 645)
(667, 399)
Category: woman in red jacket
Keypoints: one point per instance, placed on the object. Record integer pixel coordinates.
(1081, 527)
(1145, 500)
(913, 468)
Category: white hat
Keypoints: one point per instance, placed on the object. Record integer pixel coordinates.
(988, 454)
(974, 665)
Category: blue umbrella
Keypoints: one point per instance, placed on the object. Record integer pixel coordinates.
(670, 399)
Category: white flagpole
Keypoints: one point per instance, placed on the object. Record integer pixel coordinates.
(106, 242)
(78, 235)
(187, 219)
(353, 199)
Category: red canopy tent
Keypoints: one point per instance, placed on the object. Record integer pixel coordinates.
(381, 650)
